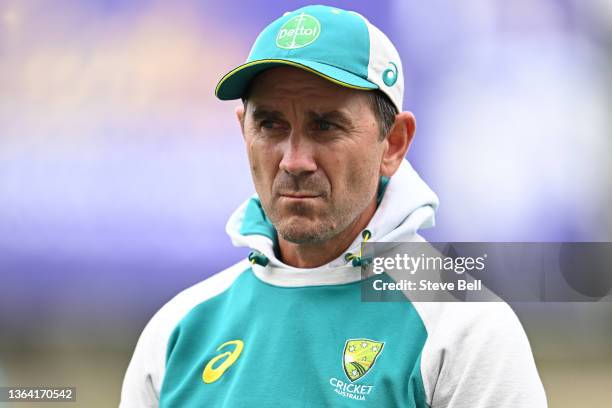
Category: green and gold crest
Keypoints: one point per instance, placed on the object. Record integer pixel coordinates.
(359, 356)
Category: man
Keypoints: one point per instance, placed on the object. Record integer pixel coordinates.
(326, 137)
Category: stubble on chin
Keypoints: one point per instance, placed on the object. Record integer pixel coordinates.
(305, 232)
(303, 224)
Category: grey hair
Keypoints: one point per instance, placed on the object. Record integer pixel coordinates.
(384, 110)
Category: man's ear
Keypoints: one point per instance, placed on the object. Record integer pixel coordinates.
(398, 141)
(239, 110)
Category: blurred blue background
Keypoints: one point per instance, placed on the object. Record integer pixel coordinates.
(119, 168)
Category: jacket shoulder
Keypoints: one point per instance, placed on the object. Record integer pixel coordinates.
(478, 355)
(145, 372)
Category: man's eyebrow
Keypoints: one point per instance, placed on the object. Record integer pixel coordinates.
(260, 113)
(332, 116)
(263, 113)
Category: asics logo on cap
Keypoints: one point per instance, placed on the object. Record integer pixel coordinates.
(298, 32)
(389, 75)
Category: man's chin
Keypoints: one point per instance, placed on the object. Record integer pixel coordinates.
(301, 207)
(301, 230)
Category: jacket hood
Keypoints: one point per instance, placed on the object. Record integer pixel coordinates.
(405, 204)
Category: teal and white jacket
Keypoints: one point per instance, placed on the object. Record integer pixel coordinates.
(265, 334)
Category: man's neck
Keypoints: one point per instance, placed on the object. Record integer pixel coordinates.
(314, 255)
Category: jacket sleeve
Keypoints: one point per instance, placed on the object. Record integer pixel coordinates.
(145, 374)
(478, 356)
(143, 377)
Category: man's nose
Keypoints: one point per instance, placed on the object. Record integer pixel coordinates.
(298, 155)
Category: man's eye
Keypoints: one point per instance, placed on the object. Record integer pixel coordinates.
(268, 124)
(324, 125)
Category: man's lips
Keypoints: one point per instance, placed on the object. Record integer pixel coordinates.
(299, 195)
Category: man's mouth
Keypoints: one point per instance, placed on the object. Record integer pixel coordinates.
(299, 195)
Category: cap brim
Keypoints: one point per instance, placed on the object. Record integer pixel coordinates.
(235, 82)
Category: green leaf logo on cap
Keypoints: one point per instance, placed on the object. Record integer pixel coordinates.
(298, 32)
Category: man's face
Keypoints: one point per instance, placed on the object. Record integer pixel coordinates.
(314, 151)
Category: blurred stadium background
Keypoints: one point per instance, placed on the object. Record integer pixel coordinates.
(119, 168)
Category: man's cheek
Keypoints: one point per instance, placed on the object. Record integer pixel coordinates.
(256, 159)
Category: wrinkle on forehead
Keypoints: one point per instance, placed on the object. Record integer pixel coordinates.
(296, 89)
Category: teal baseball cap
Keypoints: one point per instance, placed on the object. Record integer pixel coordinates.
(338, 45)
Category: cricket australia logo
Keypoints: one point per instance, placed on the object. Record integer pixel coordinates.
(358, 358)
